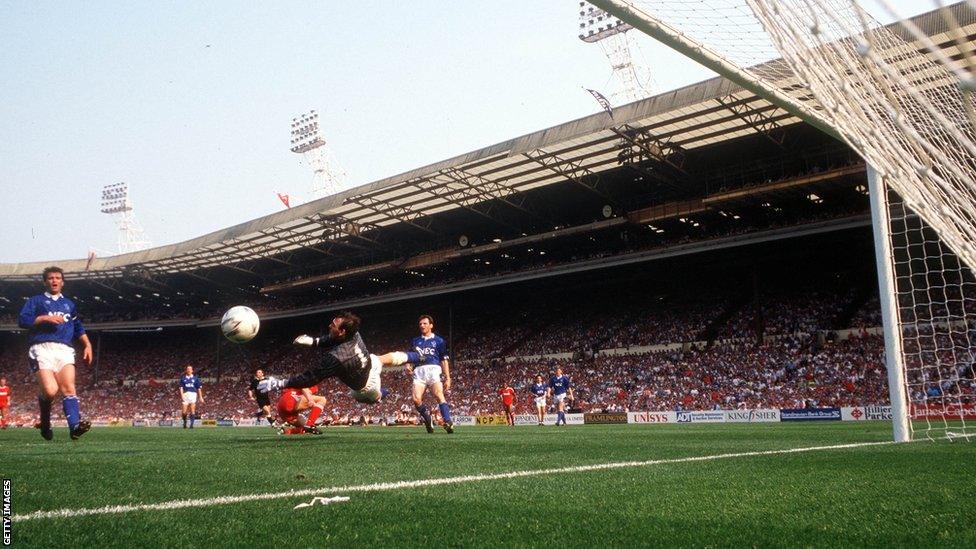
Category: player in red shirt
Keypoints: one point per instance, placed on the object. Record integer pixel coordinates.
(508, 402)
(4, 402)
(292, 401)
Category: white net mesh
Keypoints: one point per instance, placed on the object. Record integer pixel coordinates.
(936, 299)
(901, 96)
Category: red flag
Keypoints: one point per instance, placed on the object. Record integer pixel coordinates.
(284, 199)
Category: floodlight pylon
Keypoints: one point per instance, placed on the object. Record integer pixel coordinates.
(597, 26)
(306, 140)
(116, 202)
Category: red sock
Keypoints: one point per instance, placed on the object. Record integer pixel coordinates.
(294, 431)
(313, 416)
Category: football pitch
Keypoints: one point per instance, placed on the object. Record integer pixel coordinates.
(592, 485)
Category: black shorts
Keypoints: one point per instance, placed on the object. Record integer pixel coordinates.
(263, 400)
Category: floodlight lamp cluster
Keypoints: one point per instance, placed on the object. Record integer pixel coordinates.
(305, 133)
(596, 24)
(115, 198)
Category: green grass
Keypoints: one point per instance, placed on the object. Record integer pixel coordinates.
(919, 494)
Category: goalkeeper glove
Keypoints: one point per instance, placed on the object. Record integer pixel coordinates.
(306, 340)
(270, 384)
(398, 358)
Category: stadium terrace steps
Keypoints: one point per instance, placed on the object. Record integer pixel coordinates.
(846, 315)
(710, 333)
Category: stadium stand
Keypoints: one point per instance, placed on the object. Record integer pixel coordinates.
(796, 365)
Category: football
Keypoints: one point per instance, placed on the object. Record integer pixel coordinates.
(240, 324)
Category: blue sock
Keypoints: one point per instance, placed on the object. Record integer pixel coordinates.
(445, 411)
(193, 417)
(45, 405)
(561, 417)
(424, 413)
(71, 411)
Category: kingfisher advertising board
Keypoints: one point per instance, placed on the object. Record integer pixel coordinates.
(752, 416)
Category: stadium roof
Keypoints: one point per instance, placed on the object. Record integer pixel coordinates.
(662, 127)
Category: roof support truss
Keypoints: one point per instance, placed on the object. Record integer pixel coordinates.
(656, 159)
(393, 211)
(452, 187)
(573, 170)
(761, 121)
(491, 189)
(642, 145)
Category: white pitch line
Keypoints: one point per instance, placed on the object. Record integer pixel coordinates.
(388, 486)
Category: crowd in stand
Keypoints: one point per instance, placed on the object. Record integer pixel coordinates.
(790, 373)
(137, 372)
(868, 314)
(800, 312)
(674, 323)
(786, 374)
(636, 324)
(803, 365)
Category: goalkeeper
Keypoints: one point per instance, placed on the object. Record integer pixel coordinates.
(347, 359)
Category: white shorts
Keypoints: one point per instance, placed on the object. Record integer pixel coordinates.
(540, 401)
(372, 391)
(51, 355)
(427, 375)
(556, 399)
(189, 397)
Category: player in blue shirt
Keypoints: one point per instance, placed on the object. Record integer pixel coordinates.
(190, 392)
(560, 388)
(428, 361)
(52, 325)
(539, 390)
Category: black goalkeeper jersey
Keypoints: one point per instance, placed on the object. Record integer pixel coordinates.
(347, 360)
(351, 353)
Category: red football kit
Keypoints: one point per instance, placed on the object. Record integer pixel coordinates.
(508, 396)
(288, 403)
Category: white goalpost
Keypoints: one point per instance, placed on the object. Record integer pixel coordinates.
(902, 97)
(895, 363)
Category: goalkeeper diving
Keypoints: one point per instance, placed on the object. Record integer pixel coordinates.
(346, 358)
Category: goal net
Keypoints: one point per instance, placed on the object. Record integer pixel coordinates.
(900, 95)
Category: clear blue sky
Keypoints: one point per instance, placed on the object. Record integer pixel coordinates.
(189, 102)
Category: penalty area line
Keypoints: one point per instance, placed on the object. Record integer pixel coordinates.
(405, 484)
